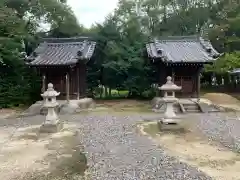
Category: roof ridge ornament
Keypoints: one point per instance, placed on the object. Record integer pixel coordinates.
(80, 51)
(206, 45)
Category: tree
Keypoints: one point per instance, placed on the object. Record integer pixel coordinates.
(19, 23)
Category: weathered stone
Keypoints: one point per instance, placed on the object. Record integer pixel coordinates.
(44, 110)
(86, 103)
(52, 123)
(69, 108)
(158, 103)
(169, 98)
(168, 126)
(51, 128)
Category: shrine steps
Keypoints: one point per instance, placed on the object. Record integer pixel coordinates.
(190, 107)
(184, 105)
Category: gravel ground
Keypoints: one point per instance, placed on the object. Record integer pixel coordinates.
(117, 152)
(220, 127)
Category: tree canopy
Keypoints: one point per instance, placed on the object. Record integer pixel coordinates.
(120, 62)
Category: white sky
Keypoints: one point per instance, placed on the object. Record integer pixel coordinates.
(90, 11)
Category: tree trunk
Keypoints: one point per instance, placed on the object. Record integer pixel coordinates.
(101, 91)
(110, 92)
(106, 91)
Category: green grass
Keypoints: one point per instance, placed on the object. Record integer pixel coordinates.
(114, 94)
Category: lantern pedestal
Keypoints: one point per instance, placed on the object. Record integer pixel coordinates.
(169, 98)
(52, 122)
(51, 128)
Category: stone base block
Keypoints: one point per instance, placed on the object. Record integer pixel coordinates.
(69, 108)
(51, 128)
(169, 126)
(86, 103)
(173, 120)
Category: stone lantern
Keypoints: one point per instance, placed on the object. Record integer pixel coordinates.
(52, 123)
(169, 98)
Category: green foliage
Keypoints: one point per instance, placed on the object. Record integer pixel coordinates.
(125, 34)
(120, 52)
(226, 63)
(119, 62)
(19, 21)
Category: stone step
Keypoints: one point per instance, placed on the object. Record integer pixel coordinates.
(185, 106)
(193, 107)
(176, 107)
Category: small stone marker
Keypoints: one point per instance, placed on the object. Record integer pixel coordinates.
(169, 98)
(52, 123)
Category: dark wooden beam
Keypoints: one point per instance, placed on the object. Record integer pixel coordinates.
(43, 82)
(199, 82)
(78, 83)
(173, 75)
(67, 87)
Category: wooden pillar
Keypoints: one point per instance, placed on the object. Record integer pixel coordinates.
(198, 82)
(67, 87)
(83, 78)
(78, 83)
(173, 74)
(43, 83)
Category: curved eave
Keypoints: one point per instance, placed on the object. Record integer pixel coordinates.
(51, 65)
(85, 60)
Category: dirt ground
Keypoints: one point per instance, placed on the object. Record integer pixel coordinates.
(29, 155)
(5, 113)
(224, 100)
(118, 104)
(194, 149)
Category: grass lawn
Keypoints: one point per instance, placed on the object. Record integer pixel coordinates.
(115, 94)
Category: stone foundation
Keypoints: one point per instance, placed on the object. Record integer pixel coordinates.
(86, 103)
(51, 128)
(169, 127)
(63, 108)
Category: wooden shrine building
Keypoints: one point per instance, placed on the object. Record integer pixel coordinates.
(181, 57)
(62, 61)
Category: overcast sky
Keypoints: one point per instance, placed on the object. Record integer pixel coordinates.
(90, 11)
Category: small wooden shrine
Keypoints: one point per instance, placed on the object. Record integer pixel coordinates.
(62, 62)
(182, 58)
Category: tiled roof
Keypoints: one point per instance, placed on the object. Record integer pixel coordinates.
(235, 71)
(182, 49)
(62, 51)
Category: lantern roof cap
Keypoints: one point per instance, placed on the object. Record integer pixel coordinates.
(170, 86)
(50, 92)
